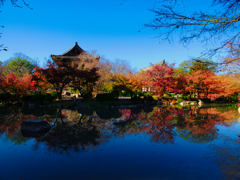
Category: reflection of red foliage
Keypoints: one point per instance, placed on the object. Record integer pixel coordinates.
(127, 114)
(10, 129)
(162, 122)
(13, 125)
(160, 125)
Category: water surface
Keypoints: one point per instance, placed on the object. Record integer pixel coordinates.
(150, 143)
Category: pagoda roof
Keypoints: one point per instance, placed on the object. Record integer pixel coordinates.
(150, 67)
(75, 50)
(75, 53)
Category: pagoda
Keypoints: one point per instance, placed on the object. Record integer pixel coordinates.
(76, 54)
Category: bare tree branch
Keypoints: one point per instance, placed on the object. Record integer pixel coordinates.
(220, 26)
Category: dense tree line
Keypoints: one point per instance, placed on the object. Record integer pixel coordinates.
(197, 78)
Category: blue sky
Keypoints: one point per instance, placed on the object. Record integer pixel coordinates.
(111, 27)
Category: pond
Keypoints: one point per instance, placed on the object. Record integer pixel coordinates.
(150, 143)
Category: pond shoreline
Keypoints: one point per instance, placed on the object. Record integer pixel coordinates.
(117, 104)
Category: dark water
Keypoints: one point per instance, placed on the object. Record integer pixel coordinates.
(151, 143)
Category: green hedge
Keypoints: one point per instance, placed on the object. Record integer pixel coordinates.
(233, 97)
(48, 99)
(38, 98)
(105, 97)
(150, 98)
(166, 95)
(185, 97)
(37, 92)
(7, 97)
(87, 95)
(106, 114)
(43, 98)
(46, 94)
(148, 93)
(26, 98)
(115, 93)
(179, 100)
(138, 93)
(125, 94)
(54, 95)
(137, 98)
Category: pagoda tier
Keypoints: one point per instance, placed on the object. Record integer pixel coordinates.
(76, 53)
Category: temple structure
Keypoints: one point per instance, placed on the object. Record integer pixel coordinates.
(151, 67)
(145, 88)
(76, 54)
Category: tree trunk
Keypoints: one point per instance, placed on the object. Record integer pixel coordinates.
(60, 93)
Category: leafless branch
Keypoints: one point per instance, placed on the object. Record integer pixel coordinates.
(215, 26)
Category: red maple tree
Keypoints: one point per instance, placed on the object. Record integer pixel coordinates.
(62, 74)
(162, 80)
(15, 84)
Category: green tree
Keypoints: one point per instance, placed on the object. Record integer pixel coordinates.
(190, 66)
(19, 67)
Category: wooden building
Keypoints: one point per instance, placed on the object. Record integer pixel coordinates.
(151, 67)
(145, 88)
(76, 54)
(78, 57)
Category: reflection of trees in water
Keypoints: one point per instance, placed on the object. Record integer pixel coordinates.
(10, 125)
(130, 122)
(201, 123)
(108, 114)
(73, 132)
(227, 157)
(197, 138)
(193, 124)
(161, 125)
(157, 124)
(38, 112)
(17, 138)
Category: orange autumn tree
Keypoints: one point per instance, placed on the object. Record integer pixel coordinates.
(108, 69)
(230, 67)
(205, 84)
(231, 83)
(40, 80)
(126, 82)
(15, 84)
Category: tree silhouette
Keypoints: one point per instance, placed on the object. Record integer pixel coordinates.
(219, 24)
